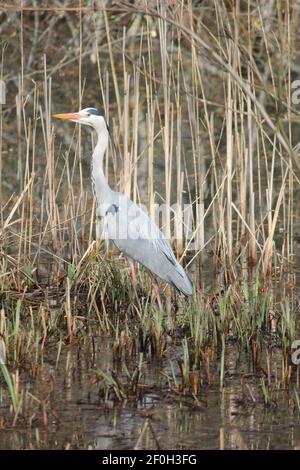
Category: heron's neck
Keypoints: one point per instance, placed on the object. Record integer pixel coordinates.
(100, 184)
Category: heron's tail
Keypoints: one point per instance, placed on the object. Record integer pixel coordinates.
(180, 280)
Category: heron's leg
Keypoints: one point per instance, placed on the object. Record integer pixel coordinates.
(156, 289)
(132, 274)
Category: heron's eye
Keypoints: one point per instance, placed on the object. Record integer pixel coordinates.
(88, 114)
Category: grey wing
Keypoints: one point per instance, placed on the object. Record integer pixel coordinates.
(138, 237)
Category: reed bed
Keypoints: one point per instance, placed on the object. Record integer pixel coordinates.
(200, 99)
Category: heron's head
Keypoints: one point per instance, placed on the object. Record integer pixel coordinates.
(88, 116)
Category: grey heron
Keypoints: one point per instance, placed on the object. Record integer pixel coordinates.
(123, 221)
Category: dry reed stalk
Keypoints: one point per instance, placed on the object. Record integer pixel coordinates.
(229, 163)
(269, 245)
(252, 246)
(112, 65)
(198, 160)
(48, 141)
(17, 204)
(125, 126)
(135, 129)
(1, 137)
(80, 94)
(178, 223)
(163, 36)
(150, 118)
(68, 310)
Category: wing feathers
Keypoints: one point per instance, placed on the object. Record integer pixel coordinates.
(137, 236)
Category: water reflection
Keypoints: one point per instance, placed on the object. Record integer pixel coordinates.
(160, 417)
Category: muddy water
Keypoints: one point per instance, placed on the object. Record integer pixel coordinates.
(159, 416)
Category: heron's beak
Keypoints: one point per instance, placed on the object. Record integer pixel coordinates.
(68, 116)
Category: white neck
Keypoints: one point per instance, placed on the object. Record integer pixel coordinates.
(100, 184)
